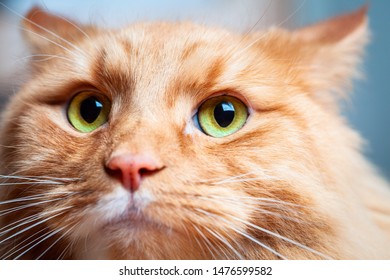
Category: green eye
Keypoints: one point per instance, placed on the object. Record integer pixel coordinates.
(87, 111)
(222, 115)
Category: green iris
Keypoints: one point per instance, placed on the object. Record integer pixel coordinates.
(88, 110)
(222, 115)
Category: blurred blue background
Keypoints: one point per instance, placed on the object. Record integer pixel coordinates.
(368, 111)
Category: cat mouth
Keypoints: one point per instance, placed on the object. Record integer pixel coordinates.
(133, 219)
(122, 209)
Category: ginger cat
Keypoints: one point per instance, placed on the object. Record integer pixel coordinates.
(179, 141)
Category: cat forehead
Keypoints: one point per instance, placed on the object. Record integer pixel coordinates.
(158, 42)
(173, 34)
(155, 56)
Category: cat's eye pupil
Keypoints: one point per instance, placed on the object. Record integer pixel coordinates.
(90, 109)
(221, 115)
(224, 113)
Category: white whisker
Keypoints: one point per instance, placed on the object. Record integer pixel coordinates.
(200, 245)
(14, 176)
(47, 31)
(32, 226)
(293, 13)
(12, 251)
(224, 241)
(36, 244)
(53, 42)
(39, 179)
(19, 223)
(23, 199)
(30, 183)
(281, 237)
(24, 221)
(266, 200)
(14, 209)
(54, 243)
(243, 233)
(34, 197)
(279, 215)
(45, 57)
(69, 247)
(242, 180)
(261, 17)
(259, 243)
(242, 51)
(225, 179)
(64, 252)
(208, 243)
(258, 208)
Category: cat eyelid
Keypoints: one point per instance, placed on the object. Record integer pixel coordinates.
(233, 93)
(89, 89)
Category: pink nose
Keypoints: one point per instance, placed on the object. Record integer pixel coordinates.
(132, 168)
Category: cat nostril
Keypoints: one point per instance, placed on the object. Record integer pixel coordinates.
(144, 171)
(131, 169)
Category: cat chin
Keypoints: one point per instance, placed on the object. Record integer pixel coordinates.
(123, 241)
(117, 209)
(118, 221)
(150, 246)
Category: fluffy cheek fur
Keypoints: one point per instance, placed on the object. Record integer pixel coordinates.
(245, 198)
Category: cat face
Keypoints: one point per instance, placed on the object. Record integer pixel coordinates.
(177, 141)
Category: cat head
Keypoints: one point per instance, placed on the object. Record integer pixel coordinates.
(173, 140)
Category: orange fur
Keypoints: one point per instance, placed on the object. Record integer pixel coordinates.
(292, 183)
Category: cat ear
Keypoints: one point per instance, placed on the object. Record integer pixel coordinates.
(45, 31)
(333, 50)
